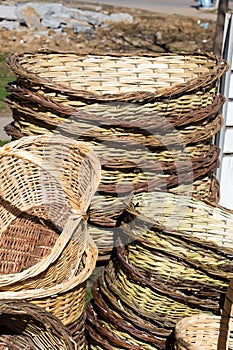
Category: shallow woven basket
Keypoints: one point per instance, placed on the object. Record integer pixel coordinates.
(180, 112)
(64, 297)
(129, 167)
(206, 332)
(116, 77)
(32, 112)
(37, 200)
(185, 222)
(26, 326)
(171, 275)
(181, 263)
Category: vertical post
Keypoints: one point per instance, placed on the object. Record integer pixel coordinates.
(227, 53)
(218, 39)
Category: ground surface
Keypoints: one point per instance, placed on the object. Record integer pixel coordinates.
(149, 31)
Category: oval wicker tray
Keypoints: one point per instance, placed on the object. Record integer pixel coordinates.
(117, 77)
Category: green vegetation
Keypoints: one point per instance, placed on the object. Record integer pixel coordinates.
(5, 77)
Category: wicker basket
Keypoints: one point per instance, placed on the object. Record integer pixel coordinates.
(37, 200)
(206, 332)
(116, 77)
(47, 184)
(105, 211)
(172, 258)
(188, 222)
(33, 113)
(130, 168)
(131, 115)
(26, 326)
(75, 166)
(64, 297)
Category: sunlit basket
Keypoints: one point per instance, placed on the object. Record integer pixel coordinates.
(26, 326)
(172, 258)
(116, 77)
(44, 181)
(171, 275)
(110, 331)
(144, 116)
(32, 113)
(132, 168)
(47, 184)
(137, 315)
(64, 297)
(185, 222)
(105, 210)
(206, 332)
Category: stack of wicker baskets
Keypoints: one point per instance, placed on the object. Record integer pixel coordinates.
(150, 119)
(47, 255)
(173, 258)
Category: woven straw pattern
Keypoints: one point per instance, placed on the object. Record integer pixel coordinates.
(206, 332)
(25, 326)
(179, 111)
(114, 77)
(150, 118)
(29, 182)
(47, 184)
(172, 259)
(105, 210)
(165, 128)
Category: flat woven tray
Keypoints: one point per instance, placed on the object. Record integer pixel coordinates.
(26, 326)
(117, 77)
(180, 111)
(31, 111)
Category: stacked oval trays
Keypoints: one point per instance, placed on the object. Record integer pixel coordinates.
(172, 259)
(150, 118)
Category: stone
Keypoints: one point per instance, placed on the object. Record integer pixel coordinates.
(10, 25)
(31, 17)
(121, 17)
(8, 12)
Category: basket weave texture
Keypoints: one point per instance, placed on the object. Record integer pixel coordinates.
(116, 77)
(172, 258)
(150, 118)
(26, 326)
(207, 332)
(47, 184)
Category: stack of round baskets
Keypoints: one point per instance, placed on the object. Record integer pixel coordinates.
(150, 118)
(173, 258)
(27, 326)
(47, 254)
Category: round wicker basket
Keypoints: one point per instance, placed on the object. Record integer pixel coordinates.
(26, 326)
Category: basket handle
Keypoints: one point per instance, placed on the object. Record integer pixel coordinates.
(226, 326)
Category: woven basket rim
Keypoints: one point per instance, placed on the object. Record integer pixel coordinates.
(221, 67)
(16, 308)
(20, 93)
(39, 293)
